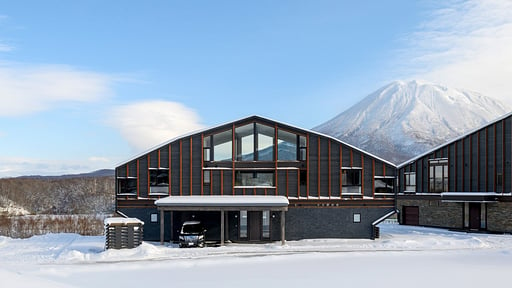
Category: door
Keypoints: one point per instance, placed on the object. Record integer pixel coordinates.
(411, 215)
(254, 225)
(474, 215)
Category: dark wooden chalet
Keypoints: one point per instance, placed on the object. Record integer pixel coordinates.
(333, 189)
(464, 184)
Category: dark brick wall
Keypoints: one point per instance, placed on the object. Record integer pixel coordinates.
(303, 223)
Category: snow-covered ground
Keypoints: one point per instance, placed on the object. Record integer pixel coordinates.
(404, 256)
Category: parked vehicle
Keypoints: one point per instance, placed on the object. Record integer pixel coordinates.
(192, 234)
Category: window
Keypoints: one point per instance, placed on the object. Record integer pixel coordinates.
(265, 145)
(243, 224)
(223, 146)
(438, 175)
(357, 217)
(207, 147)
(206, 176)
(303, 150)
(127, 186)
(158, 181)
(254, 178)
(351, 181)
(265, 231)
(384, 184)
(244, 142)
(154, 217)
(410, 181)
(286, 146)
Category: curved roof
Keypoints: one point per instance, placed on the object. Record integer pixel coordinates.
(254, 117)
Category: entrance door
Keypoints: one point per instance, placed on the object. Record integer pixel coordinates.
(411, 215)
(254, 225)
(474, 216)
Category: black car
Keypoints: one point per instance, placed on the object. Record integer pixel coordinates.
(192, 234)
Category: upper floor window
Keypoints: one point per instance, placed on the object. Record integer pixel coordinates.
(438, 175)
(254, 178)
(244, 142)
(158, 181)
(410, 181)
(303, 148)
(222, 146)
(290, 146)
(351, 181)
(384, 184)
(254, 142)
(127, 186)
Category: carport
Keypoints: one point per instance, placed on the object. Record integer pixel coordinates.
(222, 204)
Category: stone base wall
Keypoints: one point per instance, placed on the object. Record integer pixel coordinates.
(499, 217)
(436, 213)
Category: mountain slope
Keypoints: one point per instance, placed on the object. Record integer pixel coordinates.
(404, 119)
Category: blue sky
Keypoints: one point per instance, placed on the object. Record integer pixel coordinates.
(87, 84)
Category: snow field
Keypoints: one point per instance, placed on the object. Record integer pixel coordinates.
(403, 255)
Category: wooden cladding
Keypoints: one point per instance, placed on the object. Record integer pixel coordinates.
(478, 162)
(315, 174)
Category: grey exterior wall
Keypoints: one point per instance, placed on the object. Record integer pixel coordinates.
(303, 223)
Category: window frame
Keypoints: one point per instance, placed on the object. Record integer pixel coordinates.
(156, 188)
(408, 183)
(434, 179)
(124, 183)
(345, 186)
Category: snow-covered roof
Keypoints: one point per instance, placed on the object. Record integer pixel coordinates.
(255, 117)
(122, 221)
(454, 140)
(223, 201)
(474, 194)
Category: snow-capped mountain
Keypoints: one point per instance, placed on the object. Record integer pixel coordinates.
(404, 119)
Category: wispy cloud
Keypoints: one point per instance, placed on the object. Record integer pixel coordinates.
(27, 89)
(146, 124)
(98, 159)
(5, 47)
(464, 44)
(20, 166)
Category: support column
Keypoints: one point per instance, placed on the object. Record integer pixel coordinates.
(283, 219)
(172, 226)
(162, 227)
(221, 227)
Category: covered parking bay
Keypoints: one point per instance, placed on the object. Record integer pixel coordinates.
(222, 204)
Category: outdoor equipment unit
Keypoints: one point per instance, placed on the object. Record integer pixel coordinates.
(123, 232)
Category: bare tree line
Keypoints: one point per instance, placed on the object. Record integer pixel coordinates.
(56, 205)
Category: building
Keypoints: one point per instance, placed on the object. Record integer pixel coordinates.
(464, 184)
(263, 169)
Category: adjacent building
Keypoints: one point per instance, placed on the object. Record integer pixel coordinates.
(463, 184)
(256, 179)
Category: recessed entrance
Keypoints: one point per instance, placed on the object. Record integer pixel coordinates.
(411, 215)
(474, 216)
(255, 225)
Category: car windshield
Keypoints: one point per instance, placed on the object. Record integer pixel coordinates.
(192, 229)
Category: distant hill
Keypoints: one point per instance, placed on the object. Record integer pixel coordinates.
(97, 173)
(404, 119)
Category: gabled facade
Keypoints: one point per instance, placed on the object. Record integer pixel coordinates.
(334, 190)
(464, 184)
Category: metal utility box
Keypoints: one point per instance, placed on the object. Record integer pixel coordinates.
(123, 233)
